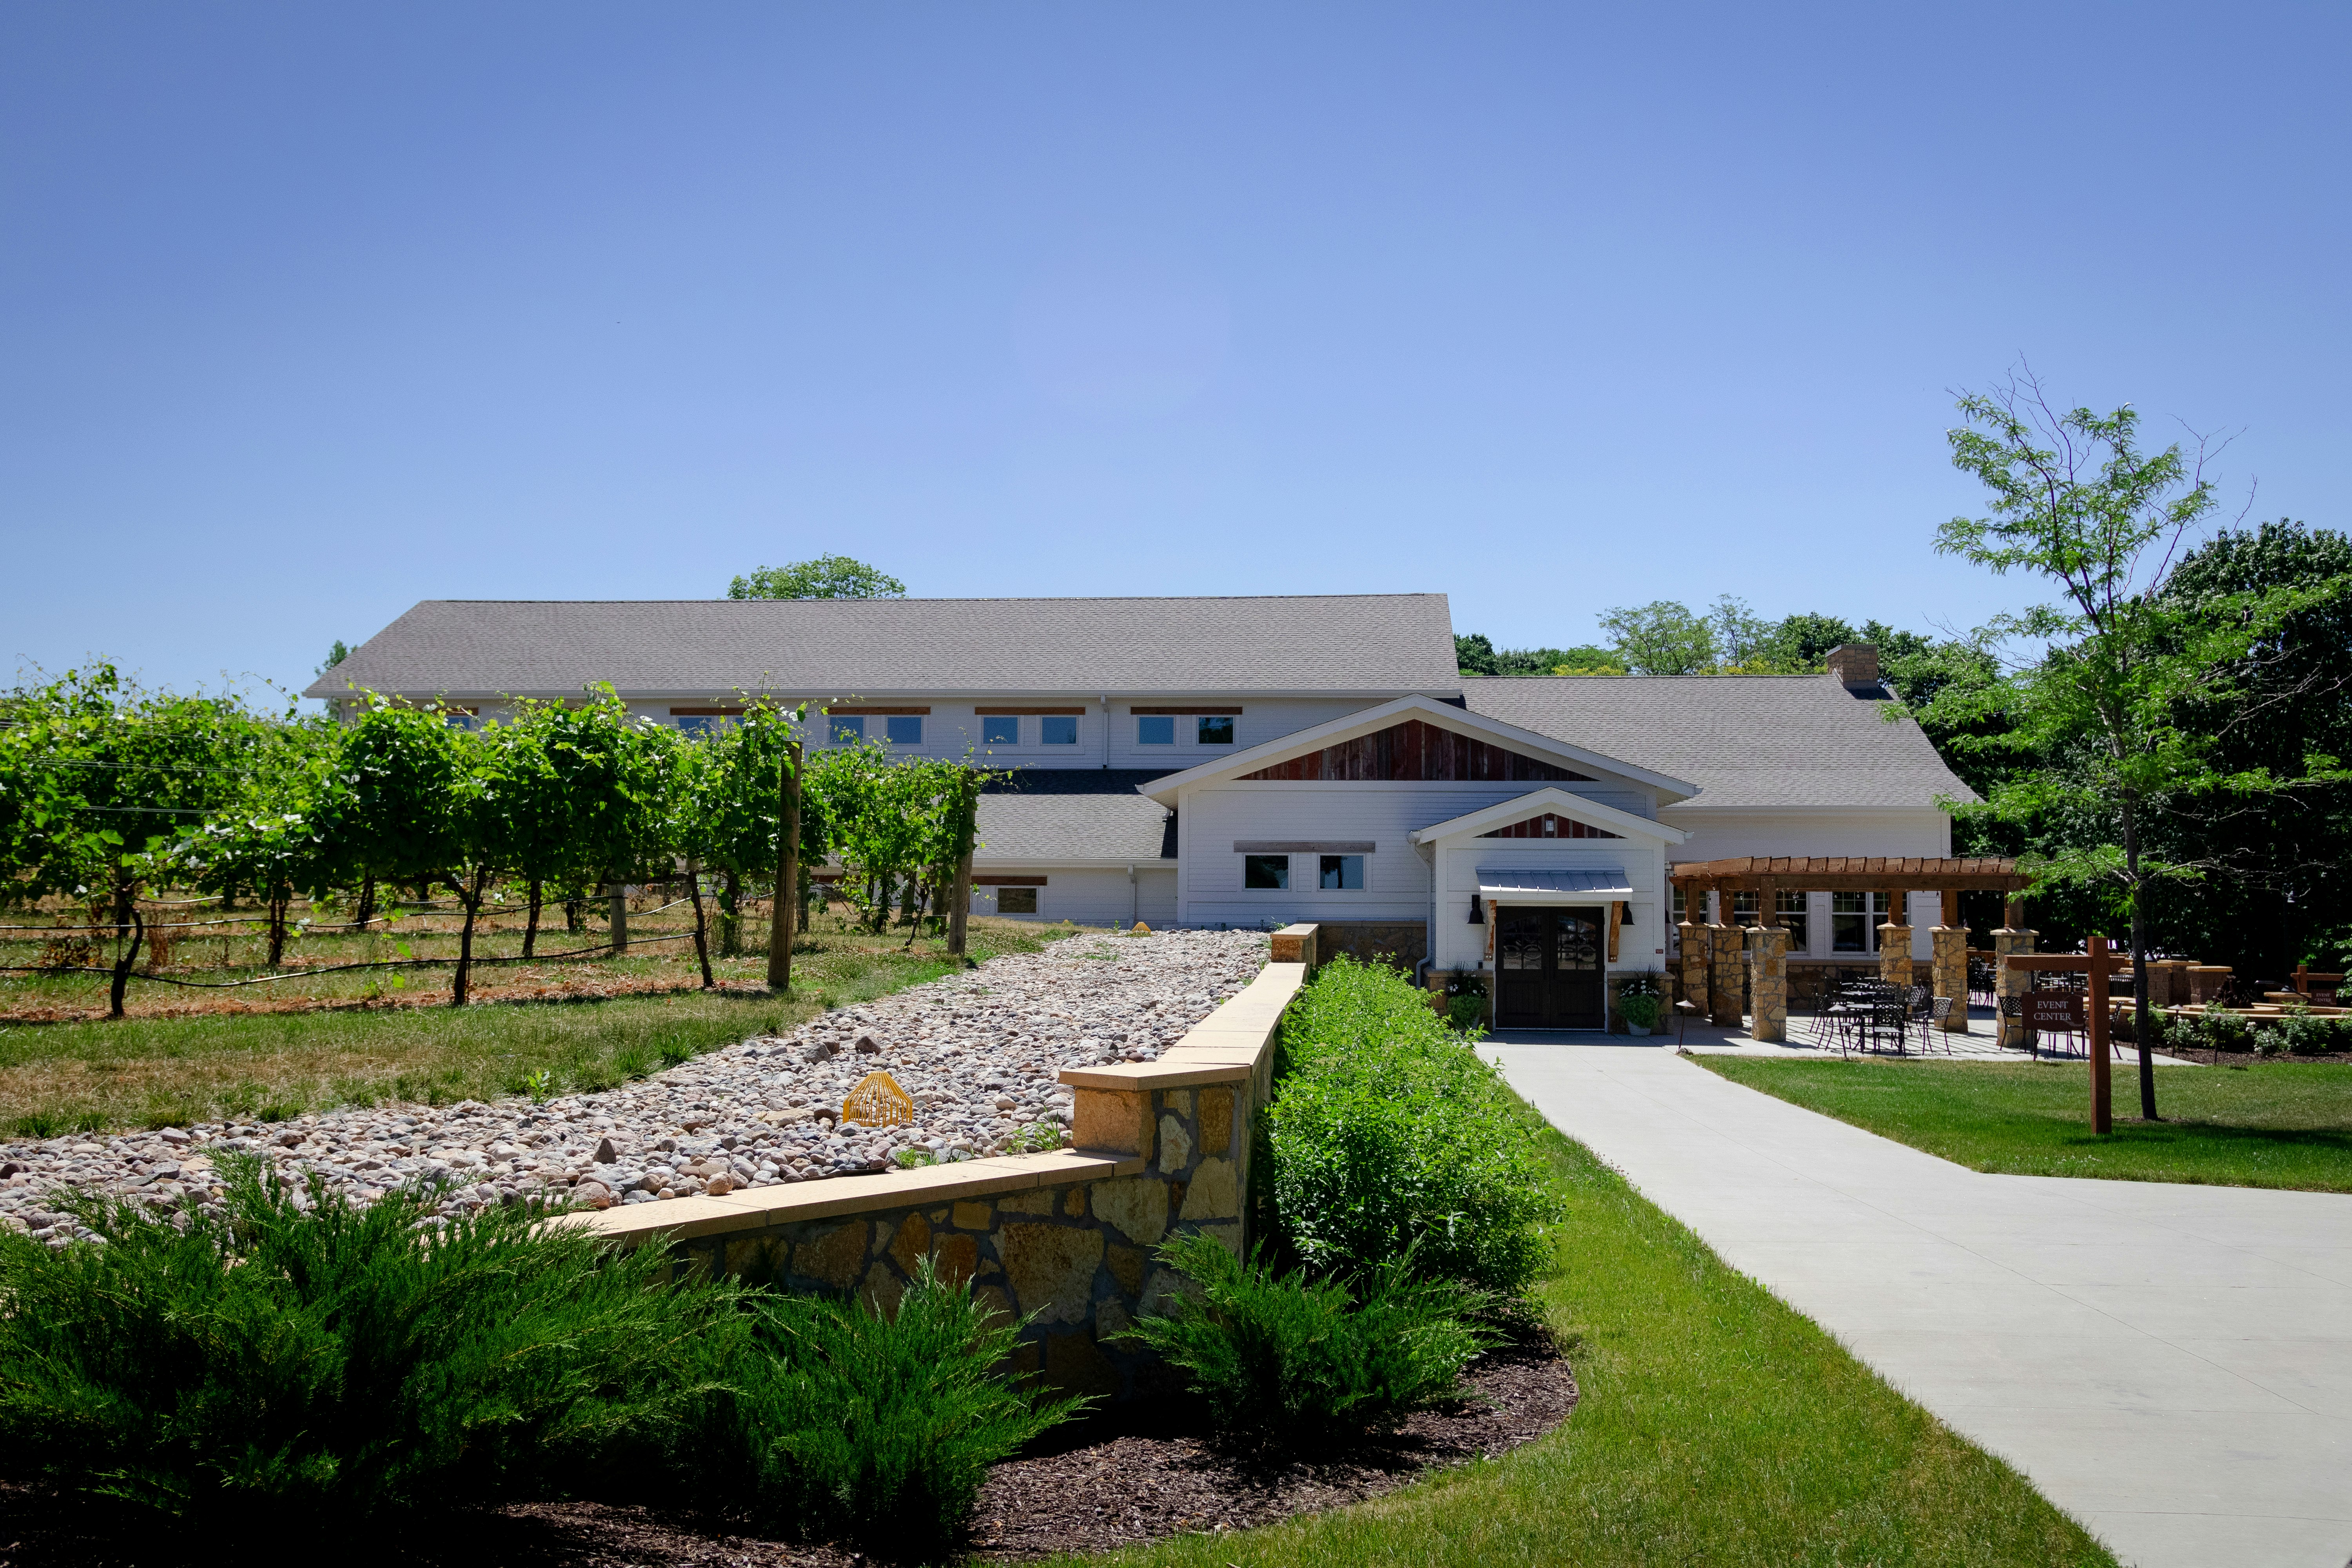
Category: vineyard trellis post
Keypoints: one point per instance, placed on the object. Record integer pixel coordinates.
(967, 833)
(788, 850)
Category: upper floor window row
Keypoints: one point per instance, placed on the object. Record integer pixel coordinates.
(1056, 727)
(1209, 727)
(898, 728)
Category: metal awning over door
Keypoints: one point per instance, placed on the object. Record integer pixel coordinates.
(1598, 885)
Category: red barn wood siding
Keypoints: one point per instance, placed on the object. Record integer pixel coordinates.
(1562, 827)
(1414, 750)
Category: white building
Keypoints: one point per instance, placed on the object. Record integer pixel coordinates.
(1261, 760)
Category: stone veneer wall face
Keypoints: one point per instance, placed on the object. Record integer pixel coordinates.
(1725, 1005)
(1768, 981)
(1693, 983)
(1894, 954)
(1079, 1256)
(2008, 982)
(1948, 972)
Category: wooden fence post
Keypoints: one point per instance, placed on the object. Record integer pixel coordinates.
(788, 871)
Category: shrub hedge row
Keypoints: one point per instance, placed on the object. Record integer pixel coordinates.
(1388, 1134)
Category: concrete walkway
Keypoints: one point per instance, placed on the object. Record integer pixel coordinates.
(2170, 1364)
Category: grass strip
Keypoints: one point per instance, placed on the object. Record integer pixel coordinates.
(2270, 1125)
(157, 1072)
(1717, 1427)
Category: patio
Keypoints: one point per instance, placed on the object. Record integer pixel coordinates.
(1980, 1040)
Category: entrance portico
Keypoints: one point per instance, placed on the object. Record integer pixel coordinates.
(1546, 897)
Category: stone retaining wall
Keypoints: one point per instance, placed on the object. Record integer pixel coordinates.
(1161, 1147)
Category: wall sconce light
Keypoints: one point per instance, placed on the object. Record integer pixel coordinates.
(1477, 915)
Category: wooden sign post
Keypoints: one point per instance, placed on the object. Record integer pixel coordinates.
(2098, 963)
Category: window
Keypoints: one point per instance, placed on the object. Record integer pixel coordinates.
(1851, 929)
(1216, 730)
(1016, 901)
(1792, 918)
(1154, 730)
(1345, 872)
(1743, 907)
(697, 725)
(847, 730)
(1265, 870)
(903, 730)
(461, 720)
(1058, 730)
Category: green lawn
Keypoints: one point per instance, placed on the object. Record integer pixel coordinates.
(1716, 1427)
(2272, 1124)
(164, 1070)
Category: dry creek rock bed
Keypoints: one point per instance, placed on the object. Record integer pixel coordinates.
(979, 1053)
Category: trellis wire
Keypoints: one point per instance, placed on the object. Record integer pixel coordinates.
(335, 968)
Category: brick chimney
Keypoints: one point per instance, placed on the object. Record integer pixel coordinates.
(1854, 666)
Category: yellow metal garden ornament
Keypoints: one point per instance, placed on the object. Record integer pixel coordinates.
(877, 1102)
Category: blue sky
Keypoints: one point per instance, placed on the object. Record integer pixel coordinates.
(308, 313)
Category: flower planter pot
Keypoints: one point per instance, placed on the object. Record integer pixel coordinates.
(1637, 1029)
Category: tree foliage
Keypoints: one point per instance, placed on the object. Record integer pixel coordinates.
(826, 577)
(2125, 687)
(107, 792)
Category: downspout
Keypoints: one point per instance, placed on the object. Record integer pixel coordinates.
(1105, 731)
(1134, 909)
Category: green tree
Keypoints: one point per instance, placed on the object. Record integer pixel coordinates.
(1661, 638)
(2075, 500)
(1474, 655)
(99, 782)
(826, 577)
(896, 823)
(1800, 644)
(736, 813)
(2283, 871)
(410, 807)
(276, 835)
(335, 656)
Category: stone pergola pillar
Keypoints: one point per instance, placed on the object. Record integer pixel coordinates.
(2008, 982)
(1895, 941)
(1726, 962)
(1691, 964)
(1768, 981)
(1948, 970)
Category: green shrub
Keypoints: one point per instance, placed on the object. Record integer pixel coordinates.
(1388, 1135)
(1348, 1004)
(877, 1427)
(1638, 1009)
(2220, 1029)
(299, 1362)
(1467, 1014)
(2300, 1034)
(1276, 1356)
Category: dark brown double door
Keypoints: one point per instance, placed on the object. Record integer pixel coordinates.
(1548, 969)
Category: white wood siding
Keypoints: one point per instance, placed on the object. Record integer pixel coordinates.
(1084, 897)
(1396, 879)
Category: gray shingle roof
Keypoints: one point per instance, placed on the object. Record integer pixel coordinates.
(1073, 815)
(1747, 741)
(1370, 643)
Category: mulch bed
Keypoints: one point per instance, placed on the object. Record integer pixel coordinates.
(1110, 1489)
(1133, 1488)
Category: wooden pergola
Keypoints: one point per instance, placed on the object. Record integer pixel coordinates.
(1769, 874)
